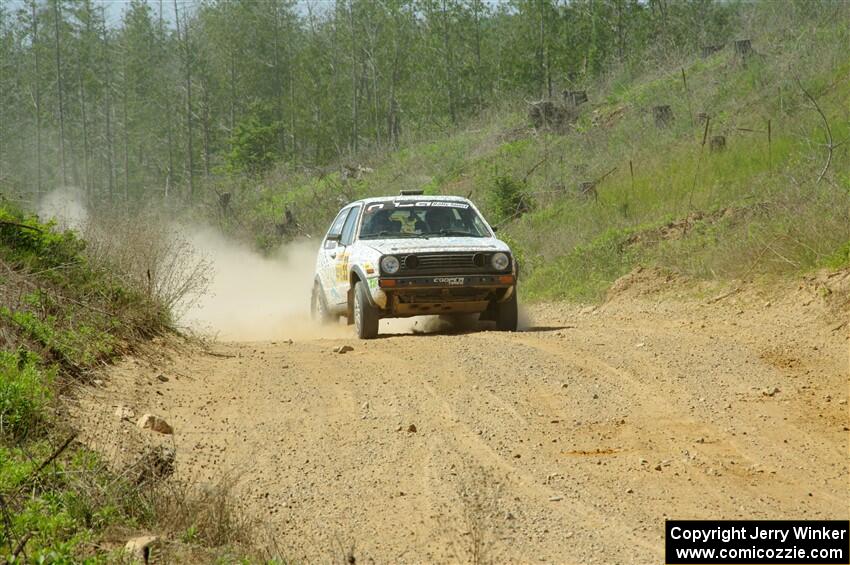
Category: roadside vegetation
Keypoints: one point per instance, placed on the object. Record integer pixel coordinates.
(714, 141)
(747, 178)
(67, 308)
(705, 137)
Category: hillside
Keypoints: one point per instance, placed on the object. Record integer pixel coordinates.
(68, 310)
(748, 177)
(672, 177)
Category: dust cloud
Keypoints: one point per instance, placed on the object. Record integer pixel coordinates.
(66, 206)
(252, 296)
(249, 296)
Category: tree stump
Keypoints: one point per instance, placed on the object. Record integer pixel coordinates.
(575, 97)
(709, 50)
(743, 48)
(394, 122)
(717, 143)
(541, 113)
(551, 115)
(663, 116)
(224, 200)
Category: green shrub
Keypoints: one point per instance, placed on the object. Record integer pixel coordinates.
(24, 393)
(24, 240)
(839, 259)
(255, 142)
(509, 198)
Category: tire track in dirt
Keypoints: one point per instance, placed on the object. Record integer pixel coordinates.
(565, 444)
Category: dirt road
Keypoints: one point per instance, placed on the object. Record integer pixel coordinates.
(570, 442)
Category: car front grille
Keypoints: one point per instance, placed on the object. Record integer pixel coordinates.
(446, 263)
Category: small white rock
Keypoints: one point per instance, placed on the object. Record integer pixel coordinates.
(139, 549)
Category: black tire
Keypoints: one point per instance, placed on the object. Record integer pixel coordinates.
(318, 307)
(507, 314)
(365, 315)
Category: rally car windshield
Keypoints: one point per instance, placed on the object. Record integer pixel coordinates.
(436, 218)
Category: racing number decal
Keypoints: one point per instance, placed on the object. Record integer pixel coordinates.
(342, 268)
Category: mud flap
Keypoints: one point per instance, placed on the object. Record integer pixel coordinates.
(349, 310)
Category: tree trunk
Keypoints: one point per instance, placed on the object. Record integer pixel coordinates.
(61, 94)
(278, 83)
(125, 132)
(190, 158)
(543, 54)
(205, 123)
(355, 63)
(449, 61)
(86, 179)
(479, 95)
(393, 123)
(37, 93)
(232, 81)
(107, 87)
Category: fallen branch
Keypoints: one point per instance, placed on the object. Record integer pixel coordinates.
(830, 145)
(699, 161)
(760, 255)
(534, 168)
(19, 225)
(55, 454)
(725, 295)
(7, 521)
(20, 547)
(593, 184)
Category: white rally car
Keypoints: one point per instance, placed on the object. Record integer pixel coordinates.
(413, 255)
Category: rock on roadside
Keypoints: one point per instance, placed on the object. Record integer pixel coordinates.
(139, 549)
(124, 413)
(155, 423)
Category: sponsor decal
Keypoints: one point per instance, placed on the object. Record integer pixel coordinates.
(415, 204)
(451, 281)
(342, 268)
(370, 269)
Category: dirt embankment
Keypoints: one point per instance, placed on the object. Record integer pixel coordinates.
(569, 442)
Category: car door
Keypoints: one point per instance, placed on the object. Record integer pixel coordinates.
(343, 256)
(326, 268)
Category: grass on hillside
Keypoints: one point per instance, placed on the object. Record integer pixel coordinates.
(755, 208)
(63, 312)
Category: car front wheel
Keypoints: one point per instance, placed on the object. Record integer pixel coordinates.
(507, 314)
(365, 315)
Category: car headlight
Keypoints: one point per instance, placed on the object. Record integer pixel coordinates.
(390, 265)
(500, 261)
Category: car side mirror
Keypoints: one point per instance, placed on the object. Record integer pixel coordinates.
(332, 241)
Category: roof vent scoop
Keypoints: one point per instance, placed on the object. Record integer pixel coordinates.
(411, 193)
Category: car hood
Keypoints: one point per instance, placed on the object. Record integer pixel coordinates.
(436, 244)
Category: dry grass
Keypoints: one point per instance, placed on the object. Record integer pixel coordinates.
(150, 255)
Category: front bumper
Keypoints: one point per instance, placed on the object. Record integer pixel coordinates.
(442, 294)
(446, 281)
